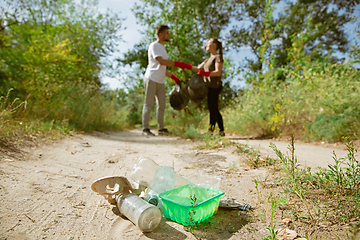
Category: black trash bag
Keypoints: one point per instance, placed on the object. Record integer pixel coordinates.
(197, 89)
(178, 99)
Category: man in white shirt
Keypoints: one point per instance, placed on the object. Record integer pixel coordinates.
(154, 80)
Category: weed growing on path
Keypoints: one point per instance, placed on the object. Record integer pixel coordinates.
(275, 202)
(254, 158)
(192, 224)
(344, 176)
(215, 141)
(331, 196)
(290, 165)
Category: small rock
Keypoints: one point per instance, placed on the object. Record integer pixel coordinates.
(246, 168)
(75, 176)
(85, 144)
(286, 220)
(72, 194)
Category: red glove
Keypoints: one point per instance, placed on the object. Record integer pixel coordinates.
(182, 65)
(173, 77)
(202, 73)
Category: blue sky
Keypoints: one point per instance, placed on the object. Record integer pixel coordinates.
(130, 35)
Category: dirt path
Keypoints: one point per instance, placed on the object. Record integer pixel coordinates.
(48, 194)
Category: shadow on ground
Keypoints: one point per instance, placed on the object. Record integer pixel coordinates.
(222, 225)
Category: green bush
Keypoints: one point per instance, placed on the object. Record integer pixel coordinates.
(318, 102)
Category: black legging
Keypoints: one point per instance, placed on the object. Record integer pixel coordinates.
(213, 106)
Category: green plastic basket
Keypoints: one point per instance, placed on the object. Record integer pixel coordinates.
(176, 203)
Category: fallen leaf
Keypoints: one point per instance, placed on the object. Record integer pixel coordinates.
(286, 234)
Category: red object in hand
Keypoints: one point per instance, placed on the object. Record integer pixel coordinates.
(182, 65)
(202, 73)
(173, 77)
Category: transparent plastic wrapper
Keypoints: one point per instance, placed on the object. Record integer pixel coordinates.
(144, 215)
(205, 180)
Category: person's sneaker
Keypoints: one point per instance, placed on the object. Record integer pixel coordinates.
(163, 131)
(146, 132)
(222, 133)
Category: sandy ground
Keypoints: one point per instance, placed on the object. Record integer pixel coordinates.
(47, 194)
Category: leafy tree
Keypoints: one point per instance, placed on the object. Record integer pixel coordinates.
(313, 27)
(56, 41)
(355, 49)
(53, 54)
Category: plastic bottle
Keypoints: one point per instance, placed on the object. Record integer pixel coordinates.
(156, 178)
(144, 215)
(144, 171)
(165, 179)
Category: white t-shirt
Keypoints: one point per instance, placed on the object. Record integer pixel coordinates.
(154, 70)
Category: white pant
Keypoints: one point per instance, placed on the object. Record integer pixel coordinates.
(152, 90)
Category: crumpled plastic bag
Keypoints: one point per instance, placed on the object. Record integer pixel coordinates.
(178, 98)
(232, 203)
(197, 89)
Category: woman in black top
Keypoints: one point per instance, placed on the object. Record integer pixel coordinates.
(211, 69)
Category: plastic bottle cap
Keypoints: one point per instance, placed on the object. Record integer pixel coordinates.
(153, 200)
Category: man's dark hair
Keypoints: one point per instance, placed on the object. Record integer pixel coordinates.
(160, 28)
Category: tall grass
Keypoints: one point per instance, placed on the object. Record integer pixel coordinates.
(83, 107)
(7, 109)
(318, 103)
(53, 114)
(187, 123)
